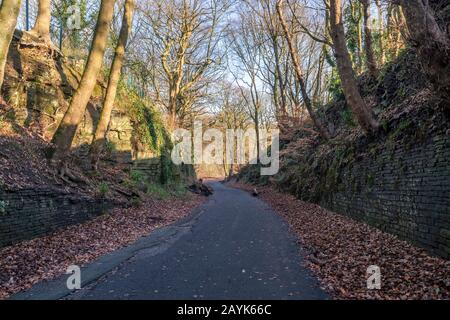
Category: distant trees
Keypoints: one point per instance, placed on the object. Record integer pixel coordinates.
(65, 133)
(9, 12)
(245, 47)
(273, 55)
(182, 39)
(395, 30)
(232, 114)
(279, 53)
(75, 21)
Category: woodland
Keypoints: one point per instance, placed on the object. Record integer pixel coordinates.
(91, 92)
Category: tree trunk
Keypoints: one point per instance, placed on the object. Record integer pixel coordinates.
(258, 136)
(370, 55)
(172, 112)
(65, 134)
(344, 64)
(114, 77)
(298, 70)
(42, 26)
(433, 44)
(9, 11)
(381, 32)
(280, 76)
(395, 25)
(360, 42)
(360, 48)
(356, 15)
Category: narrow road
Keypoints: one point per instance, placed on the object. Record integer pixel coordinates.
(237, 248)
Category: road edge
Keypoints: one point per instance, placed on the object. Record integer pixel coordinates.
(159, 240)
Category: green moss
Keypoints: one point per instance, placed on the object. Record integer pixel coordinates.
(136, 202)
(103, 189)
(385, 125)
(110, 146)
(137, 176)
(370, 179)
(3, 206)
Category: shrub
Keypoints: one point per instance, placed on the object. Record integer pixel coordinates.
(137, 176)
(110, 146)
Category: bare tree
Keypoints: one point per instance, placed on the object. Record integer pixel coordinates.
(245, 46)
(363, 115)
(114, 77)
(298, 70)
(272, 51)
(65, 134)
(183, 36)
(231, 115)
(9, 11)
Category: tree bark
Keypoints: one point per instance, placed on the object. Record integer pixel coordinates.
(111, 91)
(364, 116)
(258, 136)
(381, 31)
(356, 16)
(370, 55)
(65, 134)
(360, 41)
(298, 70)
(9, 11)
(432, 44)
(280, 75)
(173, 106)
(42, 26)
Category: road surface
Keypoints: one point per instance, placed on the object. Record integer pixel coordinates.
(234, 247)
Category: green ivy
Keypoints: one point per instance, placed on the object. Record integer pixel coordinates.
(147, 120)
(149, 129)
(347, 116)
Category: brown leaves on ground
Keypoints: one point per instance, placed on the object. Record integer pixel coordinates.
(27, 263)
(340, 250)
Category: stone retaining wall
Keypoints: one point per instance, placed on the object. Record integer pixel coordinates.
(27, 214)
(404, 191)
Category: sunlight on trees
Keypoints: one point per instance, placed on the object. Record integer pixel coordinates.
(276, 63)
